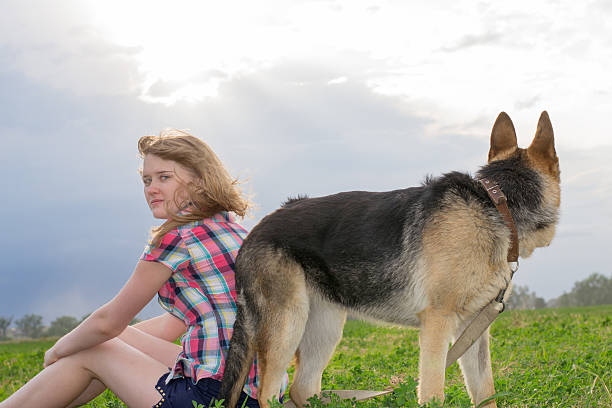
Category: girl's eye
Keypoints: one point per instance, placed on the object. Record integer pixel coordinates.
(164, 177)
(146, 181)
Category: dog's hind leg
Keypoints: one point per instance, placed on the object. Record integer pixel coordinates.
(477, 373)
(276, 348)
(279, 332)
(437, 329)
(321, 336)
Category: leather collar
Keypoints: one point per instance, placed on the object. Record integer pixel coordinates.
(501, 203)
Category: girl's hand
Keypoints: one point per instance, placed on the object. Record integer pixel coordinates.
(50, 357)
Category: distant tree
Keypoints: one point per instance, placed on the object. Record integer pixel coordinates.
(539, 303)
(62, 325)
(30, 326)
(561, 301)
(594, 290)
(522, 298)
(4, 325)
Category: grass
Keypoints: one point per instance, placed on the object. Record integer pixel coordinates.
(541, 358)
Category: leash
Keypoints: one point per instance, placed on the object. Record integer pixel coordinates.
(489, 313)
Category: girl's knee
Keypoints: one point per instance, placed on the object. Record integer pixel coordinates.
(97, 351)
(90, 359)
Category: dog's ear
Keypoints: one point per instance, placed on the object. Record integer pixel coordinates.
(503, 137)
(543, 144)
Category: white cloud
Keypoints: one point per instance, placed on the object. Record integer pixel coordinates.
(459, 62)
(55, 44)
(339, 80)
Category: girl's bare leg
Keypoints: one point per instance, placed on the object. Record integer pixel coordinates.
(95, 388)
(128, 372)
(157, 348)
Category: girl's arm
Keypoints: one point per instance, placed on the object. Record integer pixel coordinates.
(112, 318)
(166, 326)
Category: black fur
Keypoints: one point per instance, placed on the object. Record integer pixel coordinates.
(523, 188)
(292, 200)
(337, 232)
(520, 184)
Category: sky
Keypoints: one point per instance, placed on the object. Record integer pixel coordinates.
(296, 97)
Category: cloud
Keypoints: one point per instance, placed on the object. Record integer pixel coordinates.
(166, 90)
(53, 45)
(76, 211)
(473, 40)
(527, 103)
(374, 109)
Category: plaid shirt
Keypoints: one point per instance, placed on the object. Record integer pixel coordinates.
(201, 292)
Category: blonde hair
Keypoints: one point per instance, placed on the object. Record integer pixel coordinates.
(212, 190)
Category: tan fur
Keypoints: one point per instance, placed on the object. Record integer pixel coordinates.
(287, 315)
(480, 268)
(545, 166)
(437, 328)
(449, 260)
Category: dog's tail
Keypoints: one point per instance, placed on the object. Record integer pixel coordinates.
(239, 357)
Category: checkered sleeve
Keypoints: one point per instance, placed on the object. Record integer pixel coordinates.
(171, 251)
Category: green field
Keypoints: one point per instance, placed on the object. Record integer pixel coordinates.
(541, 358)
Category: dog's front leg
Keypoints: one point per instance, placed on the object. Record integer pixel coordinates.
(437, 328)
(476, 367)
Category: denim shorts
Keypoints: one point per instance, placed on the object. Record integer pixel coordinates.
(181, 392)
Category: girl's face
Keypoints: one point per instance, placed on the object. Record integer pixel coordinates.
(162, 178)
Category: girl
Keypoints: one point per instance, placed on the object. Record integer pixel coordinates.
(189, 262)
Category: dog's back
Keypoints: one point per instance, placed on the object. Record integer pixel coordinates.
(347, 244)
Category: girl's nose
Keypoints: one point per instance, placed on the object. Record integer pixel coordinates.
(151, 188)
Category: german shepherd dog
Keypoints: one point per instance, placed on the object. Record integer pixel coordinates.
(430, 256)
